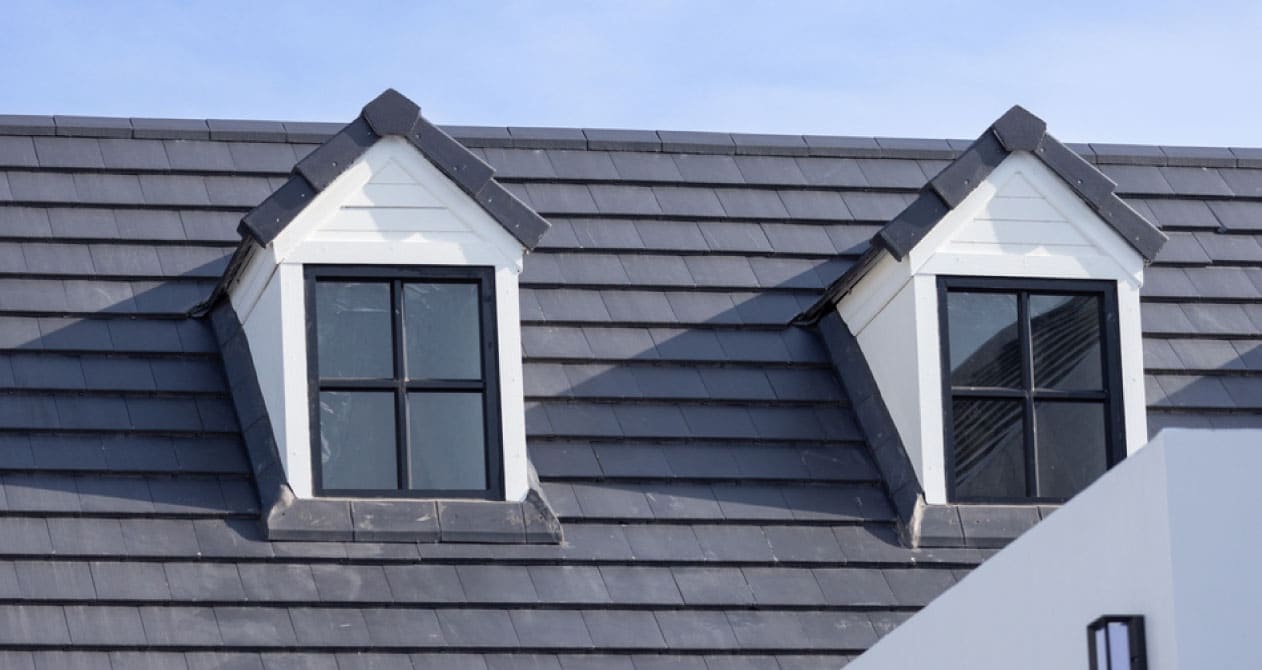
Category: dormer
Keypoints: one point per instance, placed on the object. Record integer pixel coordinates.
(999, 318)
(377, 294)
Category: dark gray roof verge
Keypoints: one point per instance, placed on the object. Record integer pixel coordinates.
(389, 114)
(1016, 130)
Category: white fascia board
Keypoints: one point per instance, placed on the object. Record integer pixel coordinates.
(417, 216)
(893, 311)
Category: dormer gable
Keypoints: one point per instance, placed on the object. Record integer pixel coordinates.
(376, 293)
(1017, 218)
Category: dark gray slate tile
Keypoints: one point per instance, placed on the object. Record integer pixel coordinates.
(550, 628)
(101, 626)
(569, 584)
(696, 630)
(90, 536)
(33, 625)
(918, 587)
(623, 629)
(204, 581)
(1195, 181)
(335, 627)
(397, 628)
(288, 582)
(68, 152)
(783, 586)
(637, 584)
(646, 167)
(713, 586)
(477, 628)
(17, 152)
(180, 626)
(688, 201)
(854, 587)
(497, 584)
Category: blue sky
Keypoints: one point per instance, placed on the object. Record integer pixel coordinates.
(1152, 72)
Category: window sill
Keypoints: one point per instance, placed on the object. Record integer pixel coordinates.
(530, 521)
(972, 525)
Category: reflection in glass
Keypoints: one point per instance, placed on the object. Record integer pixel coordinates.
(1066, 338)
(441, 331)
(983, 334)
(1119, 646)
(445, 441)
(353, 329)
(1070, 439)
(357, 449)
(989, 449)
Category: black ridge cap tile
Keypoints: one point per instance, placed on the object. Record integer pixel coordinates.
(391, 113)
(547, 138)
(246, 129)
(479, 136)
(265, 222)
(965, 173)
(1129, 154)
(1246, 157)
(1019, 130)
(27, 124)
(170, 129)
(93, 126)
(770, 144)
(1091, 184)
(845, 147)
(310, 131)
(326, 162)
(456, 161)
(521, 221)
(614, 139)
(689, 141)
(911, 147)
(1199, 156)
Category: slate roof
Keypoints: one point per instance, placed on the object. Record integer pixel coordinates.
(721, 508)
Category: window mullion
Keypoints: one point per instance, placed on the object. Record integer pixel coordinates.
(1025, 335)
(400, 392)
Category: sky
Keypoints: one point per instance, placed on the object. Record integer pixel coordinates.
(1144, 72)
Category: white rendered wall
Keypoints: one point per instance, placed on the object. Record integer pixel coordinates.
(1021, 222)
(391, 207)
(1165, 534)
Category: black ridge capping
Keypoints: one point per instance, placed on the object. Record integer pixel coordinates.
(390, 114)
(1016, 130)
(288, 518)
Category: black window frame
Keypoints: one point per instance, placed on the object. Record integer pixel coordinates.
(1135, 640)
(1111, 377)
(400, 385)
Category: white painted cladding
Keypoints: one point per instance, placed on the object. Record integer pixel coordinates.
(1023, 221)
(391, 207)
(1165, 535)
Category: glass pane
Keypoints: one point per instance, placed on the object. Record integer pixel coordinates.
(989, 450)
(985, 350)
(1119, 646)
(446, 444)
(357, 447)
(1070, 439)
(1066, 334)
(441, 328)
(353, 329)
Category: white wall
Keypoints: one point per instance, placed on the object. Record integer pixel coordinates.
(1166, 534)
(1022, 221)
(391, 207)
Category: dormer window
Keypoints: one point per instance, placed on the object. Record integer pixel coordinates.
(403, 364)
(1032, 387)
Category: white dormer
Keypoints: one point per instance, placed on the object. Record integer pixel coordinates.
(380, 307)
(1000, 319)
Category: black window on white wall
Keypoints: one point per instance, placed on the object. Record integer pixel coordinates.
(404, 391)
(1032, 387)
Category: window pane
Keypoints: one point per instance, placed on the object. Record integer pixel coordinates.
(353, 329)
(1101, 650)
(1119, 646)
(442, 332)
(985, 350)
(445, 442)
(989, 451)
(357, 447)
(1070, 439)
(1066, 334)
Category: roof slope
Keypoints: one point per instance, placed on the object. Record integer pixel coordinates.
(720, 507)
